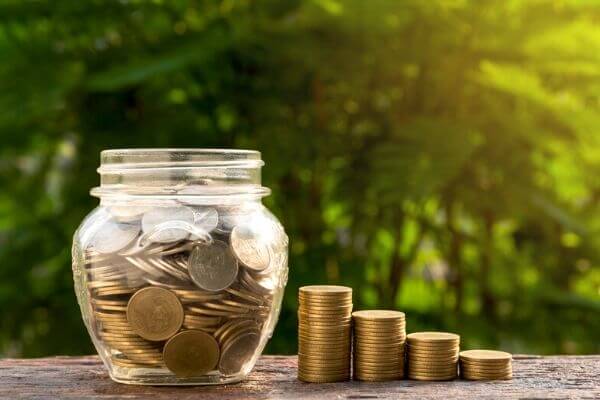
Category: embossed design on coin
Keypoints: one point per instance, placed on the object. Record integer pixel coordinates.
(249, 248)
(191, 353)
(213, 267)
(155, 313)
(161, 216)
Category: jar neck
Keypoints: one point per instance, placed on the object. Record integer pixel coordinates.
(171, 174)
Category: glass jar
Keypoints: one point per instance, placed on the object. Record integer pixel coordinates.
(180, 271)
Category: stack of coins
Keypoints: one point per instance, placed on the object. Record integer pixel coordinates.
(186, 287)
(379, 337)
(432, 356)
(324, 332)
(485, 365)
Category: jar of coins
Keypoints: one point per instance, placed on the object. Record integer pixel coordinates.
(180, 271)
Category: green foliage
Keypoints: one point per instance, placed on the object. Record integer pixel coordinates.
(442, 157)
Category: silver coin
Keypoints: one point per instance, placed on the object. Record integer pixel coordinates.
(205, 218)
(212, 267)
(114, 236)
(155, 223)
(127, 213)
(249, 247)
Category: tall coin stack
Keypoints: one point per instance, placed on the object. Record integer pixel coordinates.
(324, 332)
(379, 337)
(485, 365)
(432, 356)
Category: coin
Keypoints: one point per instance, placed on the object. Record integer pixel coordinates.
(212, 267)
(378, 315)
(485, 355)
(191, 353)
(205, 218)
(155, 313)
(312, 378)
(324, 290)
(163, 216)
(249, 247)
(432, 338)
(112, 236)
(238, 352)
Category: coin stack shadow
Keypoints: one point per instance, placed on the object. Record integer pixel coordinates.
(379, 337)
(432, 356)
(485, 365)
(324, 333)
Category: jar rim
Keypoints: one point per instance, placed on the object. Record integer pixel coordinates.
(165, 171)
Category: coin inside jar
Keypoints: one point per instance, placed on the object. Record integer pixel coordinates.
(155, 313)
(212, 266)
(164, 215)
(249, 248)
(238, 351)
(114, 236)
(191, 353)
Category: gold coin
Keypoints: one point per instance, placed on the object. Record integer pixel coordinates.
(323, 328)
(485, 355)
(487, 363)
(333, 290)
(387, 329)
(378, 365)
(324, 315)
(155, 313)
(317, 317)
(431, 351)
(324, 353)
(433, 358)
(379, 315)
(487, 378)
(373, 376)
(424, 377)
(433, 337)
(345, 308)
(333, 336)
(319, 378)
(324, 369)
(238, 351)
(315, 355)
(191, 353)
(324, 341)
(432, 371)
(334, 364)
(377, 358)
(485, 367)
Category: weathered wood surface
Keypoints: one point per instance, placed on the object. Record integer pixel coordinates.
(275, 377)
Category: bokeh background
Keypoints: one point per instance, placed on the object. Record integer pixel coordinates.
(441, 157)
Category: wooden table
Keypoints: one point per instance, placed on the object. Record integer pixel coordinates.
(275, 377)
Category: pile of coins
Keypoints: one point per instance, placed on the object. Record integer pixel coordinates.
(485, 365)
(432, 356)
(186, 287)
(379, 337)
(324, 332)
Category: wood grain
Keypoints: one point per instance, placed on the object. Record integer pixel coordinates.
(275, 377)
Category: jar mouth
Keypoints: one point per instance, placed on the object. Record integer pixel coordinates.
(180, 172)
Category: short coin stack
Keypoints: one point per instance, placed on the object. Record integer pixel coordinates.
(432, 356)
(485, 365)
(324, 332)
(379, 337)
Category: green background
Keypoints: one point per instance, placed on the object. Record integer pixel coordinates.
(441, 157)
